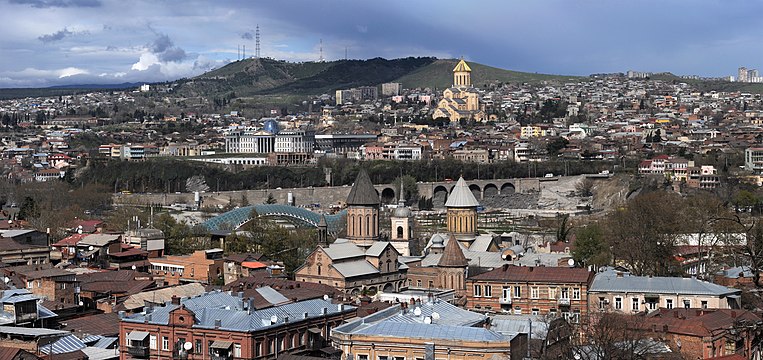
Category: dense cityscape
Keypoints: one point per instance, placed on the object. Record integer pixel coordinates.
(415, 208)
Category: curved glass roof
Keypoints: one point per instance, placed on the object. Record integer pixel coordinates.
(299, 216)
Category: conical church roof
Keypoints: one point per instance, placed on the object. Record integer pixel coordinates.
(462, 66)
(363, 191)
(453, 256)
(461, 196)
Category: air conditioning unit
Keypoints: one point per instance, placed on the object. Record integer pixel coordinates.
(606, 301)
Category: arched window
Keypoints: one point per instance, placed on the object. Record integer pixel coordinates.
(389, 266)
(368, 225)
(319, 269)
(399, 232)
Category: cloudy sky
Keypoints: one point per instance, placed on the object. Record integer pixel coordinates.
(53, 42)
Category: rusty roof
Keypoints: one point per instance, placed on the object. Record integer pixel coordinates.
(541, 274)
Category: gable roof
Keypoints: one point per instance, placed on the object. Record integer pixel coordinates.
(512, 273)
(462, 66)
(612, 281)
(363, 191)
(461, 196)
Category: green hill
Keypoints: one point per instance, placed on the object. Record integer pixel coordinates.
(439, 75)
(252, 77)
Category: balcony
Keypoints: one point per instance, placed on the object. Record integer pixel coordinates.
(138, 351)
(564, 302)
(504, 301)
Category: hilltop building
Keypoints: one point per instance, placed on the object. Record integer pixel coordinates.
(461, 101)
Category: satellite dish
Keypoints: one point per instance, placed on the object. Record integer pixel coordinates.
(274, 319)
(417, 311)
(81, 303)
(435, 316)
(427, 320)
(571, 262)
(90, 248)
(230, 265)
(133, 267)
(79, 231)
(187, 346)
(326, 297)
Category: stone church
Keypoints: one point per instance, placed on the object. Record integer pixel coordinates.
(461, 101)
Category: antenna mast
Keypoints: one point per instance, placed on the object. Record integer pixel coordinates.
(320, 59)
(257, 42)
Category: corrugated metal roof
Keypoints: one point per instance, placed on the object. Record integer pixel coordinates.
(105, 342)
(432, 331)
(610, 281)
(343, 249)
(95, 353)
(63, 345)
(355, 268)
(271, 295)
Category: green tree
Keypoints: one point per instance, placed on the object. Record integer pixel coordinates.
(557, 144)
(271, 199)
(563, 227)
(410, 188)
(590, 246)
(29, 209)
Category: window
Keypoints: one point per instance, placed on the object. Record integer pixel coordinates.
(687, 304)
(362, 356)
(669, 303)
(271, 346)
(575, 317)
(506, 292)
(517, 292)
(576, 293)
(618, 303)
(399, 357)
(704, 304)
(730, 347)
(534, 292)
(477, 290)
(431, 283)
(381, 357)
(319, 269)
(199, 347)
(565, 293)
(552, 293)
(29, 284)
(418, 283)
(236, 350)
(634, 304)
(552, 312)
(488, 292)
(152, 342)
(535, 311)
(257, 349)
(165, 343)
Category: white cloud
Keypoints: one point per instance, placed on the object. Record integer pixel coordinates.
(71, 71)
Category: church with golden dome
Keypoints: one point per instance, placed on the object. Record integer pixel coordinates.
(461, 101)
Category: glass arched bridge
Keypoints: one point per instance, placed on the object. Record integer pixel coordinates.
(236, 218)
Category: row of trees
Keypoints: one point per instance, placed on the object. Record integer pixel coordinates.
(645, 232)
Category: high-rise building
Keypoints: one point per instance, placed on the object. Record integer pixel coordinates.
(742, 74)
(391, 89)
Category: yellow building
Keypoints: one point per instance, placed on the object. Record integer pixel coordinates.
(462, 100)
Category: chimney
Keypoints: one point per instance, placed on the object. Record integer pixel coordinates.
(305, 315)
(340, 307)
(121, 314)
(531, 269)
(240, 294)
(147, 319)
(175, 300)
(620, 274)
(325, 311)
(218, 323)
(505, 267)
(286, 318)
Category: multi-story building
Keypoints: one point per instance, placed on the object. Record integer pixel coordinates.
(431, 330)
(150, 240)
(704, 177)
(391, 89)
(24, 246)
(22, 308)
(224, 326)
(264, 142)
(50, 283)
(362, 93)
(205, 266)
(753, 159)
(342, 143)
(481, 156)
(555, 291)
(622, 292)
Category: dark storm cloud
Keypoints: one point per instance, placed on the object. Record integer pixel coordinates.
(164, 48)
(56, 36)
(247, 35)
(58, 3)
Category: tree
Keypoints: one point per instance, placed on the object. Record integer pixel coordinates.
(584, 187)
(410, 188)
(643, 235)
(29, 209)
(557, 144)
(271, 199)
(563, 228)
(590, 246)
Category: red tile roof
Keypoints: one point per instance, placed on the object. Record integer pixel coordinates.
(70, 240)
(513, 273)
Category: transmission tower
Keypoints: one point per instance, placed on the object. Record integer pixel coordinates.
(257, 42)
(320, 59)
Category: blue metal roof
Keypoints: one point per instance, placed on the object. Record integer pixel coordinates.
(66, 344)
(238, 217)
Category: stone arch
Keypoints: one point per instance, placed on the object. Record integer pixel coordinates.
(508, 188)
(490, 190)
(388, 196)
(399, 232)
(476, 190)
(355, 292)
(440, 196)
(388, 288)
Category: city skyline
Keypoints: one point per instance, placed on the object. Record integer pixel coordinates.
(58, 42)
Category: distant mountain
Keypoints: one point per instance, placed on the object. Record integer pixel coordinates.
(126, 85)
(273, 77)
